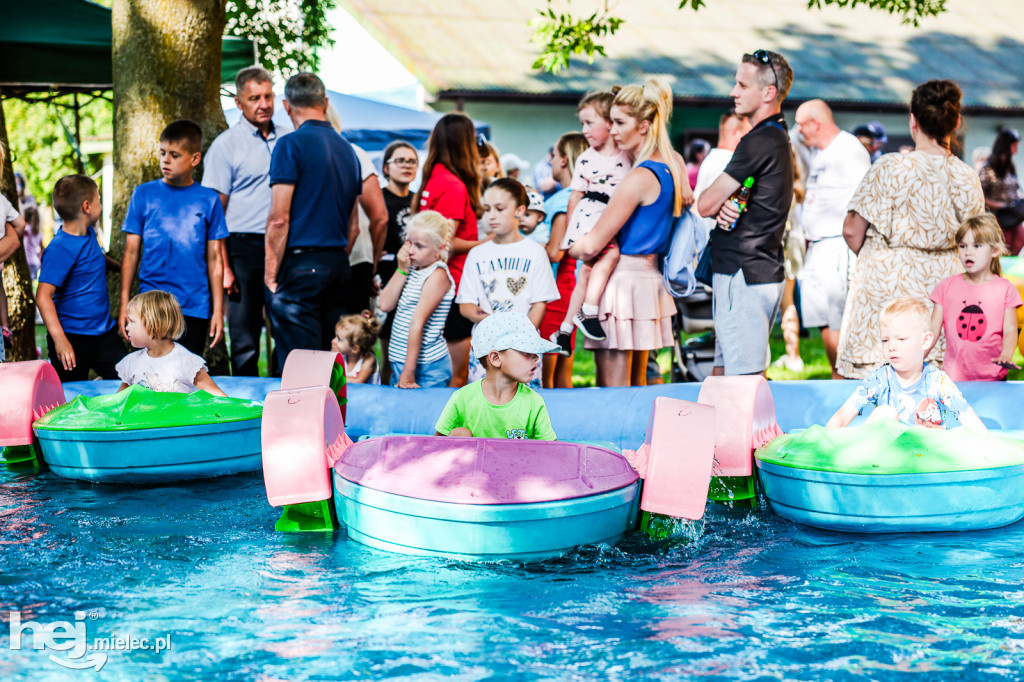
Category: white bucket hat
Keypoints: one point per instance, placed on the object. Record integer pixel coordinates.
(504, 331)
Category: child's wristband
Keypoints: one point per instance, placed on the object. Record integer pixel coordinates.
(401, 272)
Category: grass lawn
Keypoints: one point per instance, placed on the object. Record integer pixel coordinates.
(816, 363)
(811, 351)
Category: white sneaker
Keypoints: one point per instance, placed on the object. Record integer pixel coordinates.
(792, 364)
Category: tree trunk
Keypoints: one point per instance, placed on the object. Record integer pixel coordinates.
(21, 305)
(166, 57)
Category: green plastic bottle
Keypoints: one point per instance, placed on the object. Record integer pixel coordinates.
(739, 199)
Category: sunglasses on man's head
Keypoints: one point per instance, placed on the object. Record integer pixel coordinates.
(481, 141)
(765, 57)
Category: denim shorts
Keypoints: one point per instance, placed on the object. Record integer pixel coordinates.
(743, 315)
(434, 374)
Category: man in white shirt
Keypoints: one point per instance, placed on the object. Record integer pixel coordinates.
(836, 169)
(731, 129)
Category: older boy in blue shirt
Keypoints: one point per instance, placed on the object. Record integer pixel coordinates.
(177, 225)
(72, 294)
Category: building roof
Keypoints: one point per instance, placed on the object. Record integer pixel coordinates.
(858, 57)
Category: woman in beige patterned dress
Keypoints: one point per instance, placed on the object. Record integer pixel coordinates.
(902, 222)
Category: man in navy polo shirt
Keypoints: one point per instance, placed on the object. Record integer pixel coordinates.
(747, 259)
(315, 180)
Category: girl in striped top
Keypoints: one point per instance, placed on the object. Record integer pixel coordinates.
(421, 293)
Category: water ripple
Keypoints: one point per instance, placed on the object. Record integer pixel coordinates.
(743, 595)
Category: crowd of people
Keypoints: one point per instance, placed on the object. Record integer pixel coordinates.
(294, 228)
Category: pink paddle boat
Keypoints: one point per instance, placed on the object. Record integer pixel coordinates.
(489, 499)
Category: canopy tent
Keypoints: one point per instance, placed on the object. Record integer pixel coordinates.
(373, 125)
(65, 46)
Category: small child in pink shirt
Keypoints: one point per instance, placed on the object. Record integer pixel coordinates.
(978, 309)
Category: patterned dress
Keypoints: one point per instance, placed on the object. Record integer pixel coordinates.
(914, 203)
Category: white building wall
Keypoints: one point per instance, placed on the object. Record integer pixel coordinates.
(978, 131)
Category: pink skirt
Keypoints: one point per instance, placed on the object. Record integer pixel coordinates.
(635, 310)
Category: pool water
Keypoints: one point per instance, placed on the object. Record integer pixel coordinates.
(751, 597)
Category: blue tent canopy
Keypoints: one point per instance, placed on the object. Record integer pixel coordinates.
(373, 125)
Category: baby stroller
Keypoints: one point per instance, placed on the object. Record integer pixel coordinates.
(693, 359)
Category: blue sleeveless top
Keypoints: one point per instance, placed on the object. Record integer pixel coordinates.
(649, 229)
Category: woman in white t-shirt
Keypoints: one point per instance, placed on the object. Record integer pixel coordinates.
(154, 322)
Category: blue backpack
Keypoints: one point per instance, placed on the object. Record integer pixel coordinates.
(689, 239)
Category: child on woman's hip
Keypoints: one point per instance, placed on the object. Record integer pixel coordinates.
(598, 172)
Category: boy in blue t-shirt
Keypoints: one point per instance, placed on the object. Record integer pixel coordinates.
(72, 294)
(177, 225)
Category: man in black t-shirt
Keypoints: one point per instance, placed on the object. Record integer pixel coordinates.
(747, 259)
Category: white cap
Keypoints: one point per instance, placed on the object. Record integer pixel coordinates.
(512, 161)
(536, 201)
(504, 331)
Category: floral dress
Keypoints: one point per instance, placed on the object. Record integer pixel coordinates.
(914, 203)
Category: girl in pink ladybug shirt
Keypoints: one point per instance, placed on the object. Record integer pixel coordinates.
(977, 309)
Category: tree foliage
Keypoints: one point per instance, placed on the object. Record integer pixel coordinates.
(287, 32)
(42, 138)
(562, 35)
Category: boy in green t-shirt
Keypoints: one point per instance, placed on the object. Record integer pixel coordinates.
(501, 405)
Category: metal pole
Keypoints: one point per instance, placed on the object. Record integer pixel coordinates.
(78, 138)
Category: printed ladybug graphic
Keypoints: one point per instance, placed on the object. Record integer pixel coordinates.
(928, 414)
(970, 325)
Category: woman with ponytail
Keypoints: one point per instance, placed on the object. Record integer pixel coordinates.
(635, 310)
(902, 224)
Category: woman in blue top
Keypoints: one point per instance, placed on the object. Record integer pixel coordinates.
(635, 310)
